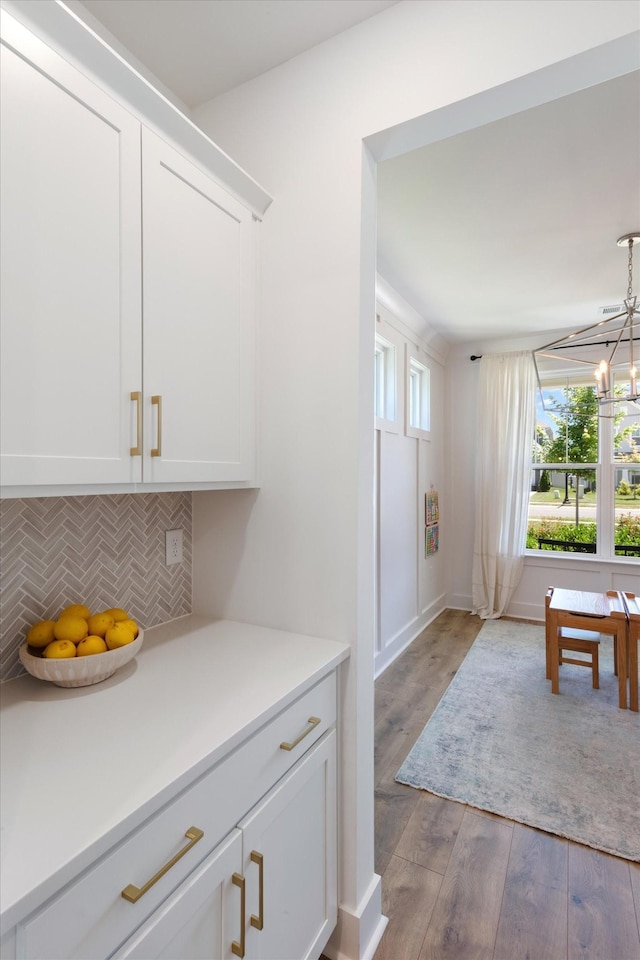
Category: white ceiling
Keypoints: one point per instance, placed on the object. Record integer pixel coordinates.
(201, 48)
(508, 229)
(511, 228)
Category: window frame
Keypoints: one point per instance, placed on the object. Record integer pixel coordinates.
(417, 366)
(386, 386)
(605, 472)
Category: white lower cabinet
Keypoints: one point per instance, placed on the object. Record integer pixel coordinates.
(289, 860)
(199, 920)
(269, 891)
(242, 863)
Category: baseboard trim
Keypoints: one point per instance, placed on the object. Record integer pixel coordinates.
(459, 601)
(406, 636)
(518, 610)
(526, 611)
(359, 932)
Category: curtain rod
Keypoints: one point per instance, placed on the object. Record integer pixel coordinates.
(575, 346)
(593, 343)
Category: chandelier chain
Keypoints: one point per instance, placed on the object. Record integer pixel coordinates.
(630, 286)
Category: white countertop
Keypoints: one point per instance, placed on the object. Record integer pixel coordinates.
(81, 767)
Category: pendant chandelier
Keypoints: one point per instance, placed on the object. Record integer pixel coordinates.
(607, 346)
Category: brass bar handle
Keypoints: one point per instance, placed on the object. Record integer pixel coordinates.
(136, 451)
(157, 402)
(313, 722)
(237, 947)
(133, 893)
(258, 922)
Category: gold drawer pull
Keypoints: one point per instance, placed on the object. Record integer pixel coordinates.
(258, 922)
(313, 722)
(237, 948)
(136, 451)
(133, 893)
(157, 402)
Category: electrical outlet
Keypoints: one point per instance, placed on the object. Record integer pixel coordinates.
(173, 546)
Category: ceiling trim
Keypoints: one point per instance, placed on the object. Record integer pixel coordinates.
(597, 65)
(415, 326)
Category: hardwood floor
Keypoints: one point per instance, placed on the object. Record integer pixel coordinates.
(466, 885)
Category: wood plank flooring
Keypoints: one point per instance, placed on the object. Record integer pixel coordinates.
(460, 884)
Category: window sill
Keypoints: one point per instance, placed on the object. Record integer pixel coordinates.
(541, 557)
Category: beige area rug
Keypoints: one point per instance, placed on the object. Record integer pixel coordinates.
(500, 740)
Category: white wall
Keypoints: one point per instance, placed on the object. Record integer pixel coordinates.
(299, 554)
(411, 587)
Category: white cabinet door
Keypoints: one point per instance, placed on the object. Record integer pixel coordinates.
(198, 282)
(289, 852)
(70, 284)
(201, 920)
(269, 891)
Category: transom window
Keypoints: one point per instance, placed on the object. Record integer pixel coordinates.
(385, 379)
(418, 396)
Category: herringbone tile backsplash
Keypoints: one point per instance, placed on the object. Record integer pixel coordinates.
(103, 551)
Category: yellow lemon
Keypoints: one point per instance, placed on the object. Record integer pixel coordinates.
(76, 610)
(133, 625)
(99, 623)
(60, 649)
(118, 635)
(90, 645)
(71, 628)
(117, 613)
(41, 634)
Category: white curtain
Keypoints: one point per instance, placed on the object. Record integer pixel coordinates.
(506, 412)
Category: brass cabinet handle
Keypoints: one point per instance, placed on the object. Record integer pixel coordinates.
(237, 948)
(313, 722)
(258, 922)
(133, 893)
(136, 451)
(157, 402)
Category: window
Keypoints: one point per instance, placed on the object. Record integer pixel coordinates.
(418, 397)
(385, 379)
(585, 491)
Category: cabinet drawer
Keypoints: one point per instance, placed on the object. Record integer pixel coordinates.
(91, 918)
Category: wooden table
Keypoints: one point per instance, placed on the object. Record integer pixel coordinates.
(632, 604)
(597, 612)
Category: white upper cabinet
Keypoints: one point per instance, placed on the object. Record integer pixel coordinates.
(128, 291)
(198, 282)
(70, 284)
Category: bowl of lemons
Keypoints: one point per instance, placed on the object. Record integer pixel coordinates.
(80, 647)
